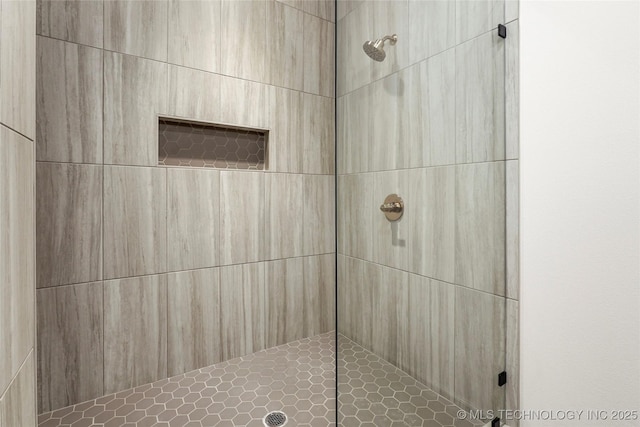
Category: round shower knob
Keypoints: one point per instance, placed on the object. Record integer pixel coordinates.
(393, 207)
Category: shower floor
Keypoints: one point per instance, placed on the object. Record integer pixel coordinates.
(297, 378)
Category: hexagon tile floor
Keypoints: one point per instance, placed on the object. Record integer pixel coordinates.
(297, 378)
(374, 393)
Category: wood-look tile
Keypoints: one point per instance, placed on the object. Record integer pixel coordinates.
(135, 332)
(513, 229)
(319, 131)
(194, 94)
(69, 102)
(135, 93)
(68, 224)
(284, 225)
(354, 131)
(18, 65)
(284, 291)
(429, 350)
(137, 27)
(17, 250)
(243, 103)
(243, 52)
(193, 218)
(135, 221)
(354, 70)
(286, 59)
(242, 309)
(324, 9)
(319, 294)
(286, 130)
(17, 406)
(71, 20)
(319, 69)
(480, 227)
(511, 10)
(431, 101)
(354, 301)
(432, 28)
(389, 17)
(355, 215)
(513, 358)
(389, 123)
(193, 317)
(194, 34)
(512, 90)
(476, 17)
(345, 6)
(389, 293)
(479, 349)
(480, 99)
(390, 239)
(241, 217)
(70, 340)
(319, 214)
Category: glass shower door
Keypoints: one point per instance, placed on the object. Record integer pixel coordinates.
(421, 299)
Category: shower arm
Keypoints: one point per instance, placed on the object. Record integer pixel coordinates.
(393, 39)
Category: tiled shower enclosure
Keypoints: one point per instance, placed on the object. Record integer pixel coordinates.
(209, 244)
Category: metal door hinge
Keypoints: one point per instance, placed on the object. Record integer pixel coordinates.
(502, 31)
(502, 378)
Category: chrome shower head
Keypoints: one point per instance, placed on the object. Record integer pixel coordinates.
(375, 49)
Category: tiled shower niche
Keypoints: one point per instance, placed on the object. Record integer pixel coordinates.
(184, 143)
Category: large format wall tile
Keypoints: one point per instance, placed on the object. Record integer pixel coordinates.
(286, 59)
(243, 51)
(71, 20)
(242, 309)
(354, 131)
(513, 229)
(513, 358)
(479, 349)
(136, 27)
(429, 350)
(69, 102)
(283, 229)
(432, 28)
(135, 332)
(17, 276)
(68, 224)
(319, 56)
(476, 17)
(480, 99)
(319, 134)
(193, 316)
(284, 290)
(319, 294)
(389, 17)
(355, 216)
(430, 86)
(319, 214)
(389, 293)
(286, 130)
(194, 34)
(135, 93)
(511, 10)
(324, 9)
(480, 227)
(512, 89)
(241, 217)
(345, 6)
(354, 67)
(17, 406)
(244, 103)
(194, 94)
(70, 340)
(422, 241)
(135, 221)
(17, 62)
(354, 301)
(193, 218)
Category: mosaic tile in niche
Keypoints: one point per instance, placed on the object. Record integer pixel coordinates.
(207, 145)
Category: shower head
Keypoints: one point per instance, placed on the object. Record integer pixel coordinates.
(375, 49)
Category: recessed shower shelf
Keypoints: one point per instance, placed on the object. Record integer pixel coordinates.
(208, 145)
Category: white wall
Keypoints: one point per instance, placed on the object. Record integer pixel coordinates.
(580, 194)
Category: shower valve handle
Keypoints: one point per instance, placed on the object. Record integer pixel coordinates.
(393, 207)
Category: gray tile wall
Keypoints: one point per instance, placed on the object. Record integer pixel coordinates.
(190, 260)
(17, 213)
(436, 123)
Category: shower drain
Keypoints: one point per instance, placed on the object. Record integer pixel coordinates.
(275, 419)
